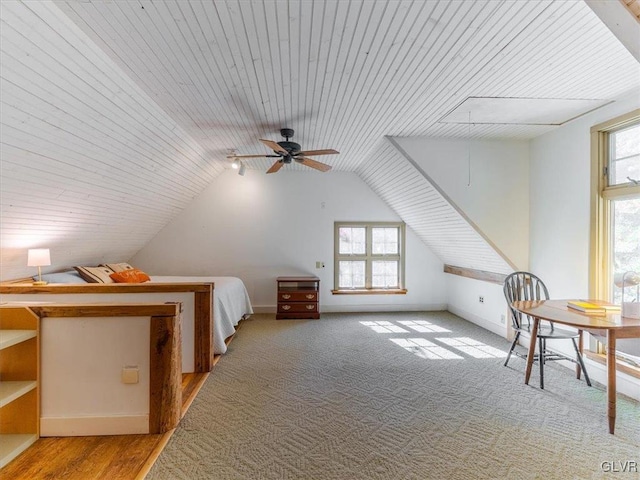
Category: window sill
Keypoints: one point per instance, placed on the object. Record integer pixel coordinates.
(372, 291)
(621, 365)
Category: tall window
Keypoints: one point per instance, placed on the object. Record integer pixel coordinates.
(624, 170)
(369, 257)
(615, 240)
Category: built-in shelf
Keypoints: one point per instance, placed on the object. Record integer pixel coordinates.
(19, 372)
(11, 445)
(10, 391)
(9, 338)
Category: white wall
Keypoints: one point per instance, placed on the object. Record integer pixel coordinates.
(258, 227)
(463, 297)
(560, 212)
(560, 201)
(81, 388)
(496, 199)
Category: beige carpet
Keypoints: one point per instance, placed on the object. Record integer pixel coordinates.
(392, 396)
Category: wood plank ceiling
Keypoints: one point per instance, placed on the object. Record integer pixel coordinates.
(344, 74)
(116, 114)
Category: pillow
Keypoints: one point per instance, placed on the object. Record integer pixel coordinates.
(95, 274)
(130, 276)
(117, 267)
(61, 277)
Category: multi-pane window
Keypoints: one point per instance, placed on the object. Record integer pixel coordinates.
(369, 256)
(620, 192)
(624, 155)
(616, 212)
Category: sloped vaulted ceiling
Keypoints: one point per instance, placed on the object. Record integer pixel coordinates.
(448, 232)
(91, 166)
(115, 114)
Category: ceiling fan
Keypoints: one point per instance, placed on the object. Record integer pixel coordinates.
(287, 151)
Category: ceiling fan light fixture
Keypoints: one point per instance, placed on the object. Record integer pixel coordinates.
(286, 152)
(242, 169)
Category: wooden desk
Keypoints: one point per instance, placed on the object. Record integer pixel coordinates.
(613, 325)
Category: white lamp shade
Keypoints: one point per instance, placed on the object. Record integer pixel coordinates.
(628, 279)
(38, 257)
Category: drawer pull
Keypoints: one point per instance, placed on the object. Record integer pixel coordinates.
(310, 307)
(310, 296)
(286, 307)
(286, 296)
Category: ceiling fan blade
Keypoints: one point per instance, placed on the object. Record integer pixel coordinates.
(276, 166)
(274, 146)
(319, 152)
(249, 156)
(309, 162)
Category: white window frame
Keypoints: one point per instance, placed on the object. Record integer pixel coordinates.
(369, 257)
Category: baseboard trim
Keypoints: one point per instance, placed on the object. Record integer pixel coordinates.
(366, 308)
(87, 426)
(389, 307)
(496, 328)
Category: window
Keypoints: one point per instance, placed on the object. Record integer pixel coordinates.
(615, 237)
(369, 257)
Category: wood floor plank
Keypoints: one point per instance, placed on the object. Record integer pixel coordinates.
(190, 389)
(83, 458)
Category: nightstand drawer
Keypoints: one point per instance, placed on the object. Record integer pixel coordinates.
(297, 296)
(297, 307)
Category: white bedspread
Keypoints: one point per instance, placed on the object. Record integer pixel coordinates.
(230, 303)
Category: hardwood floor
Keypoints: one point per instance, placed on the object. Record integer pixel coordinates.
(83, 458)
(87, 458)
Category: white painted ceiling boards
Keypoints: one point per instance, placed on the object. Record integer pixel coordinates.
(116, 114)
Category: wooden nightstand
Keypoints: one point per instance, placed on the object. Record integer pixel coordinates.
(298, 297)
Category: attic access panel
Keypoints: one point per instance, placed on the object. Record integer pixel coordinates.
(521, 111)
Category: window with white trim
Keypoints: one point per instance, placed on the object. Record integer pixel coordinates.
(369, 257)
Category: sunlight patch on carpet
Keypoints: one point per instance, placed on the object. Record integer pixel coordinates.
(423, 348)
(472, 347)
(423, 326)
(382, 326)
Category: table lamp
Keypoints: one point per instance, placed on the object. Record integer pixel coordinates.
(629, 279)
(38, 257)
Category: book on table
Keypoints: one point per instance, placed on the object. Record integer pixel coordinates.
(593, 306)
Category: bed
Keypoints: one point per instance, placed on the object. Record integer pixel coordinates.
(231, 304)
(209, 304)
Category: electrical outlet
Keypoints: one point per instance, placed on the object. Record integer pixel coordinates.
(502, 319)
(130, 374)
(319, 264)
(481, 299)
